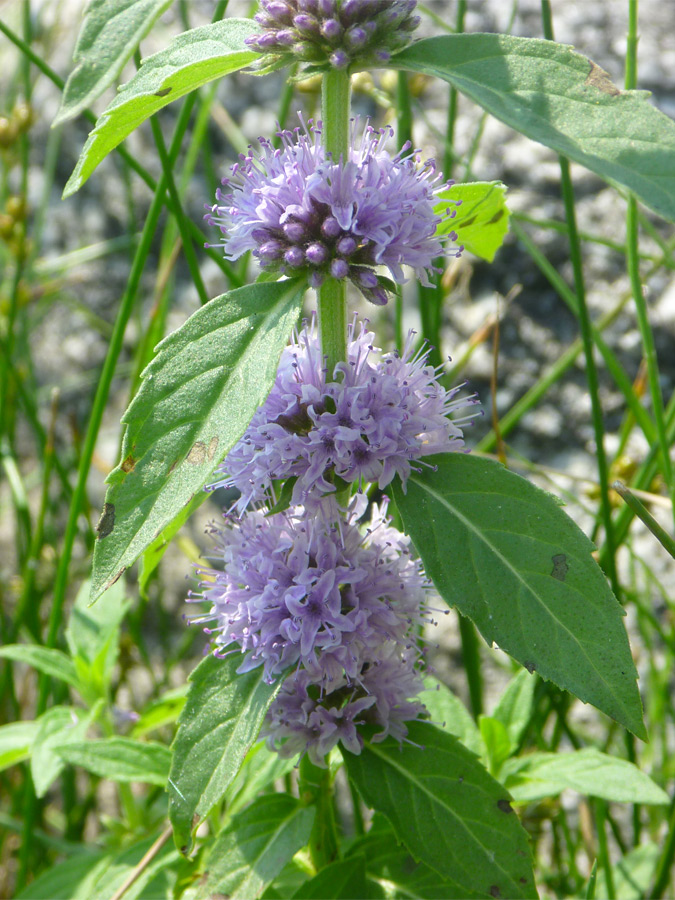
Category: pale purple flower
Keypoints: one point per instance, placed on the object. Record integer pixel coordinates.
(335, 33)
(300, 720)
(296, 591)
(378, 418)
(302, 213)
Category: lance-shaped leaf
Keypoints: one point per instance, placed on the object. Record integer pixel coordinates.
(50, 661)
(482, 218)
(111, 31)
(220, 722)
(447, 810)
(120, 759)
(587, 771)
(255, 846)
(559, 98)
(192, 59)
(196, 399)
(507, 556)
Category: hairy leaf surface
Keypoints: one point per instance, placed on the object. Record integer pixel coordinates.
(192, 59)
(507, 556)
(111, 31)
(556, 96)
(195, 400)
(447, 810)
(220, 722)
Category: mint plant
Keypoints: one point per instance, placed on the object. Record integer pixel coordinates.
(315, 752)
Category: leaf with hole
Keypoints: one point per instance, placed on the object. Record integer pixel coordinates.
(481, 220)
(494, 545)
(192, 59)
(450, 814)
(196, 399)
(556, 96)
(111, 31)
(218, 726)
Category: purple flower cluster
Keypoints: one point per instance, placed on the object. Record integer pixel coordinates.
(335, 33)
(334, 605)
(301, 212)
(376, 419)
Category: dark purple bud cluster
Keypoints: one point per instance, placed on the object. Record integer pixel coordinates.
(302, 213)
(336, 33)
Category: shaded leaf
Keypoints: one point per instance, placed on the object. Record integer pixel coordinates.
(515, 705)
(392, 871)
(496, 741)
(16, 742)
(52, 662)
(559, 98)
(219, 724)
(587, 771)
(482, 220)
(447, 810)
(111, 31)
(504, 553)
(341, 880)
(192, 59)
(162, 711)
(260, 768)
(67, 880)
(633, 875)
(121, 759)
(255, 846)
(196, 399)
(449, 713)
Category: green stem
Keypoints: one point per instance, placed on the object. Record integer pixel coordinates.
(663, 871)
(332, 295)
(471, 660)
(633, 263)
(587, 339)
(449, 155)
(316, 787)
(100, 401)
(603, 850)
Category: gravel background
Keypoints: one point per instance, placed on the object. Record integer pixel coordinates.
(536, 327)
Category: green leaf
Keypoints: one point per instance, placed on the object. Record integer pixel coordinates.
(192, 59)
(498, 747)
(121, 759)
(52, 662)
(515, 705)
(111, 31)
(220, 722)
(155, 880)
(196, 398)
(559, 98)
(342, 880)
(16, 742)
(162, 711)
(255, 846)
(482, 219)
(587, 771)
(68, 880)
(92, 634)
(392, 871)
(260, 768)
(153, 555)
(633, 875)
(447, 810)
(59, 726)
(510, 559)
(449, 713)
